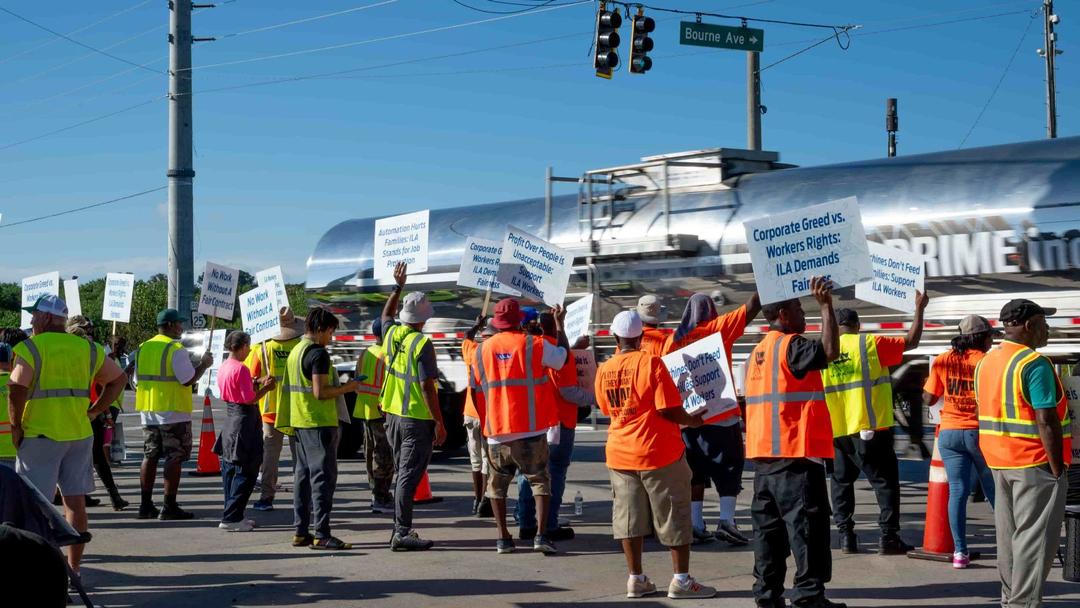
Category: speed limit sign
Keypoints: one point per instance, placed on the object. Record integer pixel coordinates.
(198, 321)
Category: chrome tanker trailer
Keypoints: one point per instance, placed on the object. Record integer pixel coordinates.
(993, 223)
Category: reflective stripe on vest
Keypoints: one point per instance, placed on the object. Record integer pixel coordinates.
(304, 410)
(7, 448)
(775, 397)
(529, 381)
(862, 393)
(58, 397)
(402, 381)
(500, 406)
(39, 393)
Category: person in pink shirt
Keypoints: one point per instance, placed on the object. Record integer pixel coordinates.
(240, 442)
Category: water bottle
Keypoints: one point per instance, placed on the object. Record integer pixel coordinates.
(579, 503)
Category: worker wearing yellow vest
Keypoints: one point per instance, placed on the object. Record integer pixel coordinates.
(858, 390)
(164, 375)
(518, 400)
(378, 456)
(1025, 437)
(311, 414)
(50, 410)
(410, 398)
(7, 448)
(276, 350)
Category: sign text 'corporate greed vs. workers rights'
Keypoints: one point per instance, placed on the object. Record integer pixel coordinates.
(259, 313)
(898, 274)
(480, 265)
(535, 267)
(218, 294)
(702, 374)
(402, 238)
(788, 249)
(47, 284)
(119, 291)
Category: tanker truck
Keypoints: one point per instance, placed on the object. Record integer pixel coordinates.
(993, 223)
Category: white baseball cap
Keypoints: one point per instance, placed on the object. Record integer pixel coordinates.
(50, 304)
(626, 324)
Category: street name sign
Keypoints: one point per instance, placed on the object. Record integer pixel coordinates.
(721, 36)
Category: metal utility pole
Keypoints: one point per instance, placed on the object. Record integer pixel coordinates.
(892, 124)
(1049, 52)
(753, 101)
(181, 174)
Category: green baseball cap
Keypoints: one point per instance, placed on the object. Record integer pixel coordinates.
(169, 315)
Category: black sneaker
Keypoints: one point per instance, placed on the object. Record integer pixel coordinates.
(820, 602)
(410, 542)
(893, 545)
(175, 513)
(484, 510)
(729, 533)
(561, 533)
(504, 545)
(93, 502)
(527, 533)
(148, 512)
(849, 543)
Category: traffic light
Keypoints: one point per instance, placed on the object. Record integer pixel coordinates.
(607, 41)
(640, 43)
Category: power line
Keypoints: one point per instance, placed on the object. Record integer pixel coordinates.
(530, 7)
(307, 19)
(70, 39)
(92, 83)
(81, 123)
(835, 36)
(661, 9)
(997, 86)
(83, 208)
(75, 31)
(940, 23)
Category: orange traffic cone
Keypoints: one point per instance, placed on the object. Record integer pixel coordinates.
(423, 493)
(208, 462)
(937, 535)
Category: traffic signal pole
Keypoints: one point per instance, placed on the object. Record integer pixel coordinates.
(753, 100)
(181, 174)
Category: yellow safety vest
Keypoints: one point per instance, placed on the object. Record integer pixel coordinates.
(64, 366)
(858, 390)
(302, 410)
(7, 448)
(158, 390)
(402, 392)
(278, 353)
(372, 365)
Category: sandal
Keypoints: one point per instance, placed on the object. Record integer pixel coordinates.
(330, 544)
(302, 541)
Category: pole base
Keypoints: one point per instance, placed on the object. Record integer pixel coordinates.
(938, 557)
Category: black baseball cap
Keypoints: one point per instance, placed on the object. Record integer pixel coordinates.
(847, 316)
(1020, 310)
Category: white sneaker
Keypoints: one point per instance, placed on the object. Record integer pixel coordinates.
(692, 590)
(245, 525)
(636, 588)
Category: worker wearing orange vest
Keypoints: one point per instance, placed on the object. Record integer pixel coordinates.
(1025, 437)
(788, 438)
(474, 421)
(652, 314)
(518, 401)
(715, 450)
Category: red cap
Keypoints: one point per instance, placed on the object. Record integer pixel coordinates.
(507, 314)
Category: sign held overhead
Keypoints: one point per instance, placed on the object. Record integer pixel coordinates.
(72, 298)
(402, 238)
(217, 297)
(119, 290)
(47, 284)
(259, 313)
(898, 274)
(480, 265)
(274, 276)
(539, 270)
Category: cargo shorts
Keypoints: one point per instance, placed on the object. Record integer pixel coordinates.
(529, 455)
(173, 441)
(653, 501)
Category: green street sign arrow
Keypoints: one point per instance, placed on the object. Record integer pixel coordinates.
(721, 36)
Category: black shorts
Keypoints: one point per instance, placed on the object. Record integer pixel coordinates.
(716, 454)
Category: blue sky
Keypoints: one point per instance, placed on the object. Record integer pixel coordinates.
(278, 165)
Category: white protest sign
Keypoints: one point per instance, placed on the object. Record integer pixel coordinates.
(402, 238)
(71, 297)
(209, 379)
(259, 313)
(701, 373)
(274, 276)
(788, 249)
(1072, 393)
(119, 290)
(898, 274)
(585, 362)
(535, 267)
(578, 317)
(218, 295)
(47, 284)
(480, 264)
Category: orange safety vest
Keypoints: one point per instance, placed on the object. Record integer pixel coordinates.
(1008, 433)
(516, 391)
(785, 417)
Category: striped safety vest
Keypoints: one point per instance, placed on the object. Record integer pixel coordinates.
(402, 391)
(7, 448)
(64, 366)
(302, 410)
(517, 393)
(858, 389)
(373, 366)
(157, 389)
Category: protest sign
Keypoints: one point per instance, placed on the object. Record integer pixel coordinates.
(218, 295)
(47, 284)
(402, 238)
(703, 377)
(480, 264)
(1072, 393)
(119, 290)
(585, 361)
(898, 274)
(788, 249)
(259, 314)
(274, 276)
(72, 298)
(578, 317)
(209, 379)
(535, 267)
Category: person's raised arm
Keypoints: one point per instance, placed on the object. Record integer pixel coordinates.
(753, 307)
(471, 333)
(401, 274)
(830, 333)
(205, 362)
(914, 333)
(560, 317)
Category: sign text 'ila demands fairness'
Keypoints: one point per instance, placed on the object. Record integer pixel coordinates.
(402, 238)
(702, 374)
(898, 274)
(218, 294)
(788, 249)
(480, 265)
(259, 313)
(535, 267)
(119, 290)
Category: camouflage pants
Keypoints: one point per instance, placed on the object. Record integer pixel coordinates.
(379, 459)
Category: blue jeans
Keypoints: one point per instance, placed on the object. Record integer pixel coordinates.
(238, 481)
(558, 462)
(959, 453)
